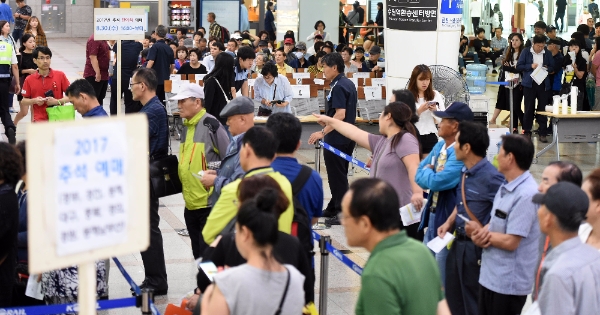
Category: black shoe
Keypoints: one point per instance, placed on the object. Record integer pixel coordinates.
(156, 292)
(543, 139)
(527, 134)
(332, 221)
(11, 134)
(329, 213)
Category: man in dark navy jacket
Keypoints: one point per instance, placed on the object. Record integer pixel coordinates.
(537, 56)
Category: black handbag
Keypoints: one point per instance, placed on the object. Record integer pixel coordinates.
(164, 172)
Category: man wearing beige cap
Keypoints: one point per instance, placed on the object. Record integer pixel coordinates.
(203, 140)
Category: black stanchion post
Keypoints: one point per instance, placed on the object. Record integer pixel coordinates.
(318, 157)
(147, 296)
(324, 275)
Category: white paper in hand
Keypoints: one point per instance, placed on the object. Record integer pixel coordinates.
(209, 269)
(534, 309)
(410, 215)
(437, 244)
(34, 288)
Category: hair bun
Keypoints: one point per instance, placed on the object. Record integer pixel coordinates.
(266, 199)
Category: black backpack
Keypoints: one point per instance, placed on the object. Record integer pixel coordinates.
(225, 35)
(301, 224)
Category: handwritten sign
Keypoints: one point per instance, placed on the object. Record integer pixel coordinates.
(120, 23)
(372, 93)
(301, 91)
(378, 82)
(91, 188)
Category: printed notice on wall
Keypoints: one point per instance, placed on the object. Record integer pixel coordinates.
(451, 14)
(412, 15)
(91, 187)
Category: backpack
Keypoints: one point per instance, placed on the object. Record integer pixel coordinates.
(225, 35)
(300, 224)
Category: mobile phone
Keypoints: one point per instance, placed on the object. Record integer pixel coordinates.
(276, 102)
(49, 93)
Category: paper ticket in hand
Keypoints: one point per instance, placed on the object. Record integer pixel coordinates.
(437, 244)
(410, 214)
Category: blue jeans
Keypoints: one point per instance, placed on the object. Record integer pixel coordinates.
(17, 34)
(441, 256)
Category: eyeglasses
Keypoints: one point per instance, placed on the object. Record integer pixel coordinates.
(131, 84)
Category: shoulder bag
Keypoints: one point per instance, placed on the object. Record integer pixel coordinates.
(224, 94)
(164, 172)
(287, 285)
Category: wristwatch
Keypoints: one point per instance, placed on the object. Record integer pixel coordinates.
(323, 131)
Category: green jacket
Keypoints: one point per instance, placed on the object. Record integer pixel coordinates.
(226, 207)
(203, 140)
(400, 277)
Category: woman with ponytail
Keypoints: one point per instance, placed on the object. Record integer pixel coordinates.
(258, 283)
(395, 152)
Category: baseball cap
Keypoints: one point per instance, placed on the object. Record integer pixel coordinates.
(263, 43)
(565, 200)
(240, 105)
(236, 36)
(550, 28)
(457, 110)
(301, 45)
(188, 90)
(318, 36)
(246, 41)
(288, 41)
(375, 50)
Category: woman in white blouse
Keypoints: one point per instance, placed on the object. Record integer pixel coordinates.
(428, 100)
(319, 30)
(589, 232)
(273, 91)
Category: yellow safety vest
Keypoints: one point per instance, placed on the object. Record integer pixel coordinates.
(6, 52)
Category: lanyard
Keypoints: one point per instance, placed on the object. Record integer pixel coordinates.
(274, 91)
(329, 96)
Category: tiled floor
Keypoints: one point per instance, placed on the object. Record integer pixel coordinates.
(344, 284)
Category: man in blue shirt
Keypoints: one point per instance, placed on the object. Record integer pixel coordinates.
(143, 87)
(6, 12)
(160, 58)
(510, 240)
(81, 94)
(243, 63)
(341, 104)
(440, 173)
(479, 184)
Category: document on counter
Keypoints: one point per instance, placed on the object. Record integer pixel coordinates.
(437, 244)
(539, 74)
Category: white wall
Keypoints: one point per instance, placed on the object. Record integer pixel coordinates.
(313, 10)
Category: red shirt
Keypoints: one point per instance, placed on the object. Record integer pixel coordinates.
(36, 86)
(100, 49)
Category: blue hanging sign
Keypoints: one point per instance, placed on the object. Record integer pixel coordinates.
(451, 7)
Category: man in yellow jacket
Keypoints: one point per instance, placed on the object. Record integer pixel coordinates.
(257, 152)
(203, 140)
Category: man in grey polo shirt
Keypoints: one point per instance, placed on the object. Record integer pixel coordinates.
(510, 240)
(571, 270)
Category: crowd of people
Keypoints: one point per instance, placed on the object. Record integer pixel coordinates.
(250, 205)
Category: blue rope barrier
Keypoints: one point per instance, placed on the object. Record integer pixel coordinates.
(345, 156)
(135, 287)
(67, 308)
(341, 257)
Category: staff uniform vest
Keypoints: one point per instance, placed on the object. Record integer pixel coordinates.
(6, 51)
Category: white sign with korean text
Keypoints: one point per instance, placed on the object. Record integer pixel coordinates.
(301, 91)
(301, 75)
(378, 82)
(121, 24)
(91, 188)
(89, 183)
(364, 75)
(373, 93)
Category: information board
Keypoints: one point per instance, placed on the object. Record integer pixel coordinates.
(227, 14)
(124, 24)
(412, 15)
(88, 187)
(451, 14)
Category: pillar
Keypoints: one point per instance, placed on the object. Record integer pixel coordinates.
(409, 42)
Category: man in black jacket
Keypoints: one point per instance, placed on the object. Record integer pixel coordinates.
(130, 52)
(561, 7)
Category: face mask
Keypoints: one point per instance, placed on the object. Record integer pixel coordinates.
(299, 54)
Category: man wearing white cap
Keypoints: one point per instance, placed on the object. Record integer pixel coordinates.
(203, 140)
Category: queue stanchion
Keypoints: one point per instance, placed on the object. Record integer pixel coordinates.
(318, 156)
(323, 284)
(146, 300)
